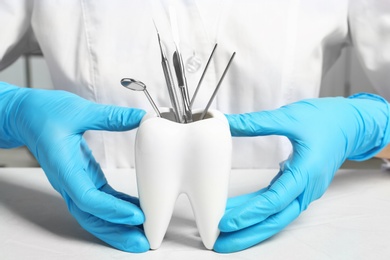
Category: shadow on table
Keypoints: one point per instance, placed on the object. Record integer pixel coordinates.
(47, 211)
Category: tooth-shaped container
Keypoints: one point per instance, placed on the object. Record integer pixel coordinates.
(173, 158)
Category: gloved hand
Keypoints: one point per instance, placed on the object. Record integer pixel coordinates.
(51, 124)
(323, 132)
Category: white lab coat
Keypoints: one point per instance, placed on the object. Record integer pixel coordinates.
(283, 50)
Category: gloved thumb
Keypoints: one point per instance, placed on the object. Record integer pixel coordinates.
(111, 118)
(272, 122)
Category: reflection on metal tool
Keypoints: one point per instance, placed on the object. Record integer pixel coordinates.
(181, 107)
(169, 81)
(217, 87)
(181, 81)
(179, 66)
(139, 86)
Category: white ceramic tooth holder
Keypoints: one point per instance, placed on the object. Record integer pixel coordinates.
(173, 158)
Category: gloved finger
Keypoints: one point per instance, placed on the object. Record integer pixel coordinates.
(241, 199)
(245, 238)
(96, 174)
(278, 196)
(80, 183)
(88, 198)
(120, 195)
(110, 118)
(92, 167)
(123, 237)
(273, 122)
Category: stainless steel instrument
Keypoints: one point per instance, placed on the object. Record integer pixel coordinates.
(170, 83)
(182, 82)
(182, 109)
(201, 77)
(217, 87)
(139, 86)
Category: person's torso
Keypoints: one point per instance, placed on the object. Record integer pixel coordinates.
(282, 49)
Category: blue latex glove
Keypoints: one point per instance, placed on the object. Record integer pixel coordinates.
(51, 124)
(323, 132)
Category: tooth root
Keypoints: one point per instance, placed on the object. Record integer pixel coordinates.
(158, 179)
(208, 188)
(176, 158)
(157, 202)
(208, 205)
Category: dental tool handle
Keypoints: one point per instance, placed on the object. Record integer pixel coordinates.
(172, 90)
(187, 109)
(201, 77)
(217, 87)
(152, 103)
(169, 81)
(184, 78)
(181, 81)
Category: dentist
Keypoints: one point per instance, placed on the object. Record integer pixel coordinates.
(283, 49)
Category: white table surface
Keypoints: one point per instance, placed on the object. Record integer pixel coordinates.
(351, 221)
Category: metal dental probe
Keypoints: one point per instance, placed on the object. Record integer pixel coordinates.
(169, 81)
(201, 77)
(139, 86)
(216, 88)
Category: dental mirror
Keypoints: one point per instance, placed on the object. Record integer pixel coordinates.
(139, 86)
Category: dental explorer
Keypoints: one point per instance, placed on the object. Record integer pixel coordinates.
(201, 77)
(217, 87)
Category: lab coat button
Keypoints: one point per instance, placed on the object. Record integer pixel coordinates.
(193, 63)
